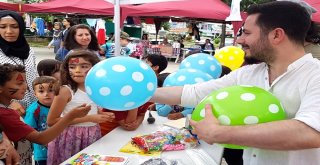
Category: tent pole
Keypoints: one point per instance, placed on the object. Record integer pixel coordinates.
(117, 27)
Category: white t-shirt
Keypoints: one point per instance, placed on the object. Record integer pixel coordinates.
(298, 90)
(78, 98)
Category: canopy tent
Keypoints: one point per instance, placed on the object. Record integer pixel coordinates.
(92, 7)
(316, 5)
(9, 6)
(207, 9)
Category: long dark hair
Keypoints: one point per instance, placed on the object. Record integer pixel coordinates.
(65, 74)
(71, 43)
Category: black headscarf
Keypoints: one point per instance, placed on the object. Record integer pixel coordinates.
(19, 48)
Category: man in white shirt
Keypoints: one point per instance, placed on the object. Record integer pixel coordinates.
(273, 33)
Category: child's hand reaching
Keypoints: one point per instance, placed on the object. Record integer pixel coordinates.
(101, 118)
(131, 126)
(175, 116)
(17, 107)
(79, 111)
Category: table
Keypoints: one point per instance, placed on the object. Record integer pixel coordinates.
(209, 51)
(112, 142)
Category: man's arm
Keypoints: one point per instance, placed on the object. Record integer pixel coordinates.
(168, 95)
(278, 135)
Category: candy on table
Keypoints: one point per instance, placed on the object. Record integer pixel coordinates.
(91, 159)
(170, 139)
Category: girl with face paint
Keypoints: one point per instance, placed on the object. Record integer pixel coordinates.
(13, 86)
(72, 93)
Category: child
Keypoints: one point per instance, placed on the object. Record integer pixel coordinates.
(128, 120)
(173, 112)
(49, 67)
(83, 131)
(108, 48)
(13, 86)
(57, 37)
(36, 116)
(157, 62)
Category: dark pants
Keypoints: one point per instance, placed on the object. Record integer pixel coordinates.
(41, 162)
(233, 156)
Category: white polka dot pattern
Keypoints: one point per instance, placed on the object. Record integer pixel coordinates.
(120, 83)
(251, 120)
(222, 95)
(248, 97)
(203, 62)
(224, 120)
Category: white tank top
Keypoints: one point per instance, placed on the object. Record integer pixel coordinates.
(77, 99)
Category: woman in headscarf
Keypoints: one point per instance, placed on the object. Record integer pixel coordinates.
(14, 49)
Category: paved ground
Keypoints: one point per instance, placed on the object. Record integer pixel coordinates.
(45, 53)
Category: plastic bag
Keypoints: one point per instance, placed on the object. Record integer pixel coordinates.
(166, 139)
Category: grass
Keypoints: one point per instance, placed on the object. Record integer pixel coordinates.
(38, 43)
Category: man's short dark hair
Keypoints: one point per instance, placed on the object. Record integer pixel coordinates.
(290, 16)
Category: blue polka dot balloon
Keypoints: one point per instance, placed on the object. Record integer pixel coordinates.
(120, 83)
(204, 62)
(186, 76)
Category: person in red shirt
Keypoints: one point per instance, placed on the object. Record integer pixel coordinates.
(13, 86)
(128, 120)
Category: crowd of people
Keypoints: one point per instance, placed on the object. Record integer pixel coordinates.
(46, 103)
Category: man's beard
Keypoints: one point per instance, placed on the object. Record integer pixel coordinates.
(260, 52)
(251, 60)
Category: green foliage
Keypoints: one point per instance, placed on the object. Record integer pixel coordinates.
(244, 5)
(34, 1)
(217, 40)
(165, 25)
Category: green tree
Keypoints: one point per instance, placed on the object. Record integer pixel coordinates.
(246, 3)
(34, 1)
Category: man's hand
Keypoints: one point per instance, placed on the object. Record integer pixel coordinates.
(207, 128)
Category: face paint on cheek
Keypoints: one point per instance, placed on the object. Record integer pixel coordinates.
(19, 77)
(12, 91)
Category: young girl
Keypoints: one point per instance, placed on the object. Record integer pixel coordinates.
(13, 86)
(57, 37)
(83, 131)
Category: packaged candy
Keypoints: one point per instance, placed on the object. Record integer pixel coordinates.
(167, 139)
(91, 159)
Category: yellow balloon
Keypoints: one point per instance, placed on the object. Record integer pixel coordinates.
(230, 56)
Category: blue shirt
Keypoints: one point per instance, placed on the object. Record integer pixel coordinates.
(36, 117)
(109, 50)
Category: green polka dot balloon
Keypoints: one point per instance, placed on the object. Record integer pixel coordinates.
(241, 105)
